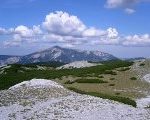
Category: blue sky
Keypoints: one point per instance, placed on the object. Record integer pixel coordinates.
(122, 29)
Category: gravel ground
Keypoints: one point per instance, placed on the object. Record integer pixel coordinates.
(143, 73)
(40, 99)
(142, 70)
(78, 64)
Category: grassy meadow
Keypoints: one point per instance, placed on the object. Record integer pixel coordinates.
(113, 80)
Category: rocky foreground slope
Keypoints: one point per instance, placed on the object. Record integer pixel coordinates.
(40, 99)
(142, 69)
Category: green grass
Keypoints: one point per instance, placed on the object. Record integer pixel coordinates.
(14, 76)
(124, 100)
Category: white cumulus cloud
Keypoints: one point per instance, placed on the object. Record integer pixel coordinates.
(23, 31)
(112, 33)
(63, 24)
(137, 40)
(93, 32)
(69, 30)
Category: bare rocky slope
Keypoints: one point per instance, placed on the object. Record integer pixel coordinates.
(78, 64)
(40, 99)
(142, 69)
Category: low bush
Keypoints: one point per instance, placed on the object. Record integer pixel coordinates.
(110, 72)
(133, 78)
(117, 93)
(112, 78)
(111, 84)
(90, 81)
(47, 64)
(101, 76)
(69, 82)
(124, 100)
(142, 64)
(91, 75)
(124, 69)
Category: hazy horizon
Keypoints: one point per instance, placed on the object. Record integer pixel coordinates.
(95, 49)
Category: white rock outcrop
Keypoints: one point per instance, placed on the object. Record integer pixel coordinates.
(40, 99)
(78, 64)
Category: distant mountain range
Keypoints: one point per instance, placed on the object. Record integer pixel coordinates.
(9, 59)
(57, 53)
(133, 59)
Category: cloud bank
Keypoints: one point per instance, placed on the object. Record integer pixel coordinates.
(61, 27)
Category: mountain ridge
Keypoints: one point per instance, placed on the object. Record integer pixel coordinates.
(60, 54)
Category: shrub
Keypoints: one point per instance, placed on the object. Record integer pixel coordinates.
(69, 82)
(111, 84)
(101, 76)
(142, 64)
(124, 100)
(91, 75)
(47, 64)
(90, 81)
(124, 69)
(117, 93)
(110, 72)
(76, 90)
(133, 78)
(112, 78)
